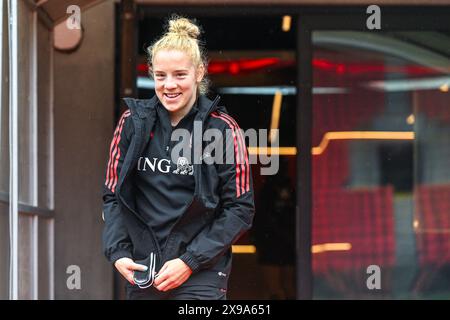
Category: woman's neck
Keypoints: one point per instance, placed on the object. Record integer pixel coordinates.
(175, 117)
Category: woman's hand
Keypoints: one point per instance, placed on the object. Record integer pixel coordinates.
(173, 274)
(126, 267)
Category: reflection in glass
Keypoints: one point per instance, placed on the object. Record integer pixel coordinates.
(381, 183)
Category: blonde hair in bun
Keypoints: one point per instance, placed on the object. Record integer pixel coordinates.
(183, 27)
(182, 34)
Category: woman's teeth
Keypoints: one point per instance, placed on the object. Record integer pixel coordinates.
(171, 96)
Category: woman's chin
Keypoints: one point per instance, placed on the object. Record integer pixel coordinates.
(172, 107)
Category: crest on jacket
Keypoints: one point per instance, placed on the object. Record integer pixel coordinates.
(183, 167)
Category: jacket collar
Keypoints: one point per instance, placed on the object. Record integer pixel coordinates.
(206, 106)
(143, 107)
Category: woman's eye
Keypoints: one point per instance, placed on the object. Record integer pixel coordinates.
(181, 75)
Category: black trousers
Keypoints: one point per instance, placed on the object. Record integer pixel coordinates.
(191, 292)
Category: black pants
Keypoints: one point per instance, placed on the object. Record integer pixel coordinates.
(191, 292)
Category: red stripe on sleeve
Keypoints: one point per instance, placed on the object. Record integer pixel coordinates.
(240, 168)
(114, 151)
(244, 154)
(111, 153)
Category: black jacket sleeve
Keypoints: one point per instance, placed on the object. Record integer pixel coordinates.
(116, 242)
(236, 211)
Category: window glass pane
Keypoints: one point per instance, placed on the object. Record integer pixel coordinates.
(4, 250)
(44, 258)
(432, 193)
(25, 257)
(25, 107)
(4, 164)
(4, 111)
(44, 110)
(381, 176)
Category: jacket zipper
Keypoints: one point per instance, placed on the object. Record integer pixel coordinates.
(152, 236)
(216, 100)
(168, 141)
(156, 246)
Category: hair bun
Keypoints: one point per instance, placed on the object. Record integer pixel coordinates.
(183, 26)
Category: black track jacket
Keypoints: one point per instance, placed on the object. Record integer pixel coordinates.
(221, 210)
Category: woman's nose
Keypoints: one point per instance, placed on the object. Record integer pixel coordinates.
(170, 84)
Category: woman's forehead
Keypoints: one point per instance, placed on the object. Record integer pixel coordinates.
(172, 59)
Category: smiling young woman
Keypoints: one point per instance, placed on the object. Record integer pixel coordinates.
(169, 230)
(176, 82)
(178, 65)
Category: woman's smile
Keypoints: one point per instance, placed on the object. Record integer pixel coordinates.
(172, 96)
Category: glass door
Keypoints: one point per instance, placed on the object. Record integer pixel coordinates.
(380, 164)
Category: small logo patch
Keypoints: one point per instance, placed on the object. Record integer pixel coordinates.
(183, 167)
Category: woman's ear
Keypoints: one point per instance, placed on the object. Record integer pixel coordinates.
(150, 71)
(200, 72)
